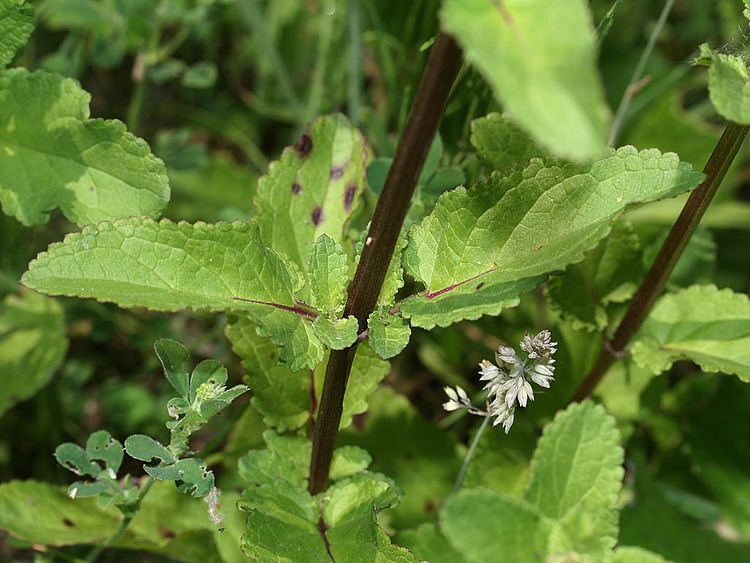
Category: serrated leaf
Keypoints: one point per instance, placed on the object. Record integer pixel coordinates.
(313, 190)
(501, 144)
(576, 476)
(337, 334)
(169, 266)
(569, 507)
(328, 268)
(478, 244)
(145, 448)
(53, 155)
(286, 458)
(387, 334)
(349, 460)
(423, 460)
(704, 324)
(481, 524)
(540, 60)
(610, 273)
(32, 346)
(728, 85)
(281, 395)
(16, 25)
(350, 511)
(175, 360)
(368, 370)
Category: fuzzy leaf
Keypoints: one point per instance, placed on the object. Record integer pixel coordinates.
(480, 248)
(145, 448)
(101, 446)
(501, 144)
(329, 275)
(32, 346)
(704, 324)
(191, 475)
(610, 273)
(16, 25)
(349, 460)
(337, 334)
(568, 507)
(313, 190)
(388, 334)
(53, 155)
(540, 60)
(169, 266)
(576, 475)
(175, 359)
(281, 395)
(634, 555)
(286, 458)
(429, 544)
(728, 85)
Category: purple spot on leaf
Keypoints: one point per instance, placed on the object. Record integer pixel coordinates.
(317, 216)
(296, 188)
(337, 172)
(349, 197)
(480, 286)
(304, 145)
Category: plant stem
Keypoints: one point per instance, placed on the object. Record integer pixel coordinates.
(94, 554)
(652, 286)
(470, 455)
(429, 104)
(632, 88)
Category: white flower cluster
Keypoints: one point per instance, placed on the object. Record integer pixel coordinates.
(509, 382)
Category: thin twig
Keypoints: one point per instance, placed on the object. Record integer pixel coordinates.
(470, 455)
(635, 80)
(716, 168)
(390, 212)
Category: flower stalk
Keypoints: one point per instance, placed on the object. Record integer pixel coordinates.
(430, 101)
(716, 168)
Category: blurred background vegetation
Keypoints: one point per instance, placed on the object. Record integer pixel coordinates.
(220, 87)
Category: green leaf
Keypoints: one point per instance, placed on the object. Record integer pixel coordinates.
(101, 446)
(620, 390)
(569, 507)
(541, 63)
(169, 267)
(388, 334)
(147, 449)
(610, 273)
(32, 346)
(53, 155)
(42, 513)
(481, 524)
(704, 324)
(200, 76)
(367, 372)
(286, 458)
(313, 190)
(349, 460)
(350, 511)
(328, 266)
(191, 475)
(16, 25)
(282, 525)
(634, 555)
(423, 460)
(175, 359)
(394, 277)
(337, 334)
(576, 475)
(281, 395)
(480, 248)
(728, 85)
(74, 458)
(501, 144)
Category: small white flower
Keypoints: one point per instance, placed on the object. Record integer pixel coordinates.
(508, 383)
